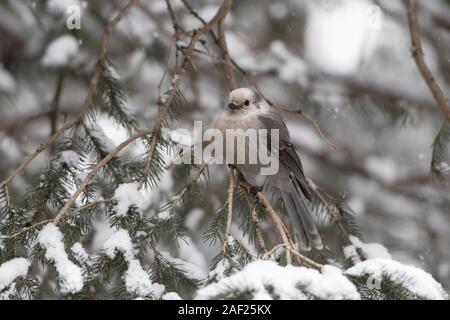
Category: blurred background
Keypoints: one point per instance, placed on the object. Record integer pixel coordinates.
(368, 120)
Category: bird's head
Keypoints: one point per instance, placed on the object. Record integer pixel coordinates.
(242, 99)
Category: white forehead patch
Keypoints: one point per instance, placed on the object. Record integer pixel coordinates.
(241, 94)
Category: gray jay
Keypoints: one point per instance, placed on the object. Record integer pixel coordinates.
(248, 110)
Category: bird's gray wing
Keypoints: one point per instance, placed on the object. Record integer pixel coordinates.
(288, 155)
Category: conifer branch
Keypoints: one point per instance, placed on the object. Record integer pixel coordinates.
(38, 150)
(54, 113)
(91, 175)
(89, 98)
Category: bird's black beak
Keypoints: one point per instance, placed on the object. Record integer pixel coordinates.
(233, 106)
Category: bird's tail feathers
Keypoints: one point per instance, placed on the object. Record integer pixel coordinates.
(303, 225)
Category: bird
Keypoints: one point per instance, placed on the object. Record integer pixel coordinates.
(247, 109)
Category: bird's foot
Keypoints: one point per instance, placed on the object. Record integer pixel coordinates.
(254, 190)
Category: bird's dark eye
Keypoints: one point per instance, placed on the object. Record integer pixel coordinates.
(247, 102)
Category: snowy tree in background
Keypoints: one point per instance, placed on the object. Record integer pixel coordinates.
(93, 206)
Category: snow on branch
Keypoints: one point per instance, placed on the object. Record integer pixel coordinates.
(70, 275)
(11, 270)
(418, 282)
(128, 195)
(268, 280)
(137, 281)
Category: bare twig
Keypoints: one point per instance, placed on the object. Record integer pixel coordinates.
(418, 54)
(226, 65)
(307, 260)
(313, 122)
(176, 26)
(319, 130)
(53, 115)
(272, 251)
(40, 223)
(152, 16)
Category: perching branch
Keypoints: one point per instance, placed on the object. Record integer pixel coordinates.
(273, 214)
(254, 218)
(230, 192)
(281, 228)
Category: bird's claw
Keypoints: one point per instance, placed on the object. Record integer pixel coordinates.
(254, 190)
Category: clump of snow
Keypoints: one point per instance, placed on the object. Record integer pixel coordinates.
(218, 273)
(171, 296)
(11, 270)
(70, 275)
(69, 157)
(414, 279)
(369, 250)
(137, 281)
(7, 82)
(7, 294)
(79, 253)
(98, 133)
(164, 215)
(119, 241)
(268, 280)
(128, 195)
(60, 52)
